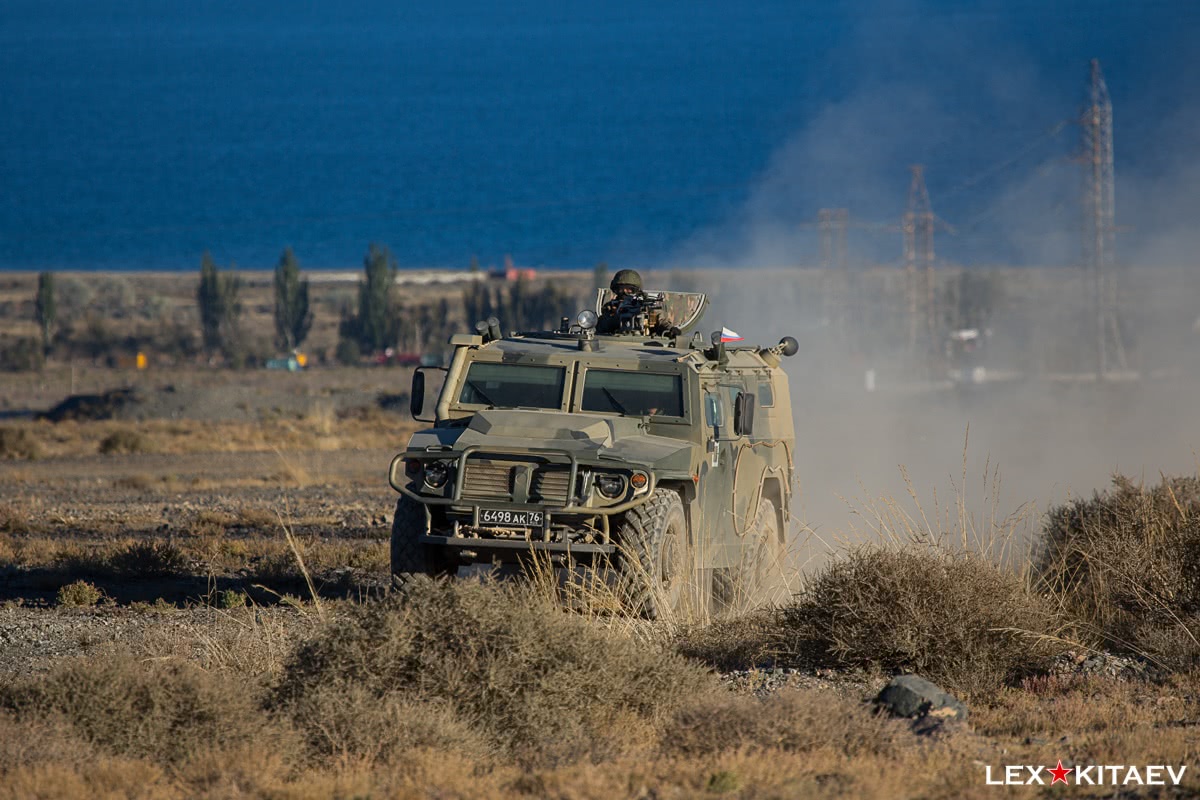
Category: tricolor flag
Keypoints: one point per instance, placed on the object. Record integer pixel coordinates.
(729, 336)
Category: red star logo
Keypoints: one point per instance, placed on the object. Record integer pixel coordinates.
(1060, 773)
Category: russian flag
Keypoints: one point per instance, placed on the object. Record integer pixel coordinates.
(729, 336)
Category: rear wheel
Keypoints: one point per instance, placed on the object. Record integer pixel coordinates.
(410, 556)
(758, 577)
(657, 571)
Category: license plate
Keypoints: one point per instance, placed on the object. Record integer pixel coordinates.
(511, 519)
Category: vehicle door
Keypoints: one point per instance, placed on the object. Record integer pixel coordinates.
(718, 472)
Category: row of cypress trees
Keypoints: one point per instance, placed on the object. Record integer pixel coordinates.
(375, 324)
(220, 309)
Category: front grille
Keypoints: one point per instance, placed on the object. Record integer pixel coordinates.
(550, 486)
(487, 481)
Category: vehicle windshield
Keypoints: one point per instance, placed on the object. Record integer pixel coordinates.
(633, 393)
(512, 386)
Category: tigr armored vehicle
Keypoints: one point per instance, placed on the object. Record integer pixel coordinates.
(666, 459)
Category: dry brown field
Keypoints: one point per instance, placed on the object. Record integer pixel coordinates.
(194, 600)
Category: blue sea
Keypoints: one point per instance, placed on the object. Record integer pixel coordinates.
(138, 134)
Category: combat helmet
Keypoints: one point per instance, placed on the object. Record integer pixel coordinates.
(626, 277)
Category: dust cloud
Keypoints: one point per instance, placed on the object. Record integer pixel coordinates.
(1039, 422)
(1033, 433)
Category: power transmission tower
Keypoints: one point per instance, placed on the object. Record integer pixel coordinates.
(1099, 222)
(917, 227)
(832, 224)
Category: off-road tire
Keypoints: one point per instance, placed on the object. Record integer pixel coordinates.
(759, 575)
(655, 570)
(409, 556)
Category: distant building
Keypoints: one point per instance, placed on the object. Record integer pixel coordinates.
(511, 272)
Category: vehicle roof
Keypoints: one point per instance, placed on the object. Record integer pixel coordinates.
(617, 350)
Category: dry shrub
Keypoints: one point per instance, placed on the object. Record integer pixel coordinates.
(149, 559)
(790, 720)
(1127, 564)
(139, 482)
(249, 641)
(276, 569)
(48, 739)
(15, 519)
(18, 443)
(955, 618)
(79, 594)
(354, 724)
(543, 685)
(158, 710)
(124, 440)
(735, 643)
(251, 517)
(214, 519)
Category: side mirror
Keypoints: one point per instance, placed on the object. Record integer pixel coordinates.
(743, 414)
(416, 400)
(788, 346)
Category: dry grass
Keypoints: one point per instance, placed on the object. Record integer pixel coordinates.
(546, 686)
(29, 440)
(124, 441)
(432, 696)
(475, 690)
(17, 519)
(791, 721)
(162, 711)
(265, 558)
(252, 642)
(18, 443)
(1126, 563)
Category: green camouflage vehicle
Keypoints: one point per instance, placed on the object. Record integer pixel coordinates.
(666, 459)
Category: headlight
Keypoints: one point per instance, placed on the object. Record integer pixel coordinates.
(586, 319)
(611, 486)
(436, 474)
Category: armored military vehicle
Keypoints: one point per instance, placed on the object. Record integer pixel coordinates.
(663, 457)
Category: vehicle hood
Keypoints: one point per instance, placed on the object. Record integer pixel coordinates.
(591, 439)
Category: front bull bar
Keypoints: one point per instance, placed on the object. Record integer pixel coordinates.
(395, 470)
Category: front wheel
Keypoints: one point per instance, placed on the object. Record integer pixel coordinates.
(410, 556)
(657, 570)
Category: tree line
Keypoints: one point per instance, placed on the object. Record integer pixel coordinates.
(381, 317)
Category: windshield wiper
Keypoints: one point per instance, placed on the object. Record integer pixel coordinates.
(475, 387)
(612, 399)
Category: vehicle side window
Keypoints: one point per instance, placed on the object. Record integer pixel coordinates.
(766, 395)
(714, 410)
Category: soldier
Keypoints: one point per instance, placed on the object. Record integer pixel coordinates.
(626, 287)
